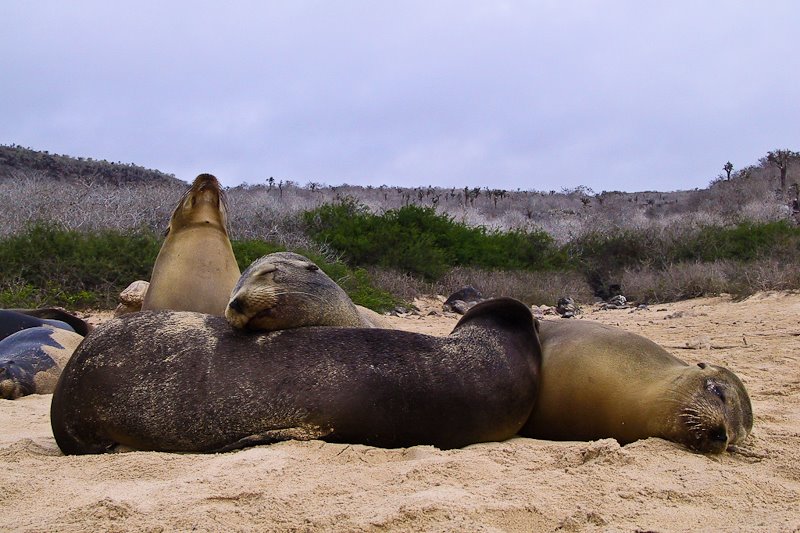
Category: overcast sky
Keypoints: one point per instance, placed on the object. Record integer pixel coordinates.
(614, 95)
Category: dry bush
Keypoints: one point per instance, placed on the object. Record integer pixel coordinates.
(400, 284)
(678, 282)
(32, 197)
(690, 280)
(766, 275)
(533, 288)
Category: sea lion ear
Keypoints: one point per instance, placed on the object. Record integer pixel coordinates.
(312, 267)
(702, 365)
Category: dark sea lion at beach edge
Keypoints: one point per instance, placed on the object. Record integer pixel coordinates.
(195, 269)
(187, 382)
(31, 360)
(10, 321)
(603, 382)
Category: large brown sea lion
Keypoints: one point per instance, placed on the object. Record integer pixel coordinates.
(180, 381)
(286, 290)
(599, 382)
(195, 269)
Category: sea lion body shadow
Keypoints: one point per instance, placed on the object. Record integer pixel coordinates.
(603, 382)
(195, 269)
(178, 381)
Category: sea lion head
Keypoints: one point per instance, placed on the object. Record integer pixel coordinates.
(714, 409)
(286, 290)
(203, 204)
(15, 380)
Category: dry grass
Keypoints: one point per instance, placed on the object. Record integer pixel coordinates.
(533, 288)
(272, 213)
(690, 280)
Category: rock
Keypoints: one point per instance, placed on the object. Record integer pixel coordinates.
(130, 300)
(616, 302)
(567, 308)
(461, 300)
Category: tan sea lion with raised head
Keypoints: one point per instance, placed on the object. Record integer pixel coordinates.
(603, 382)
(195, 269)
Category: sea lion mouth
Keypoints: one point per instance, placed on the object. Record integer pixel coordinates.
(268, 313)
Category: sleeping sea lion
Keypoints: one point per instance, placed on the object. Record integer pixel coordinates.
(31, 359)
(195, 269)
(603, 382)
(187, 382)
(286, 290)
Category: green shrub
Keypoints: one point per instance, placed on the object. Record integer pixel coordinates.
(418, 241)
(46, 266)
(744, 242)
(604, 256)
(248, 251)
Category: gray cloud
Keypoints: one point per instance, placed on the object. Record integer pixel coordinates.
(613, 95)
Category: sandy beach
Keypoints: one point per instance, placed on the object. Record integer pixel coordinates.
(517, 485)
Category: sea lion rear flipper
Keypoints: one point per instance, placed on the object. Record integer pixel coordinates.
(277, 435)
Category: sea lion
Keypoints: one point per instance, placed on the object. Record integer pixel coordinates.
(286, 290)
(31, 359)
(14, 321)
(195, 269)
(187, 382)
(603, 382)
(10, 318)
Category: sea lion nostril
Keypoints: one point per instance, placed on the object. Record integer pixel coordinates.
(235, 305)
(719, 435)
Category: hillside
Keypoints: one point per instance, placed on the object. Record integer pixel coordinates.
(752, 193)
(736, 236)
(16, 160)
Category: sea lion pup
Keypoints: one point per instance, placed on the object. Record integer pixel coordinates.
(603, 382)
(186, 382)
(31, 359)
(286, 290)
(195, 269)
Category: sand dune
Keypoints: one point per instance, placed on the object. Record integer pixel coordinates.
(518, 485)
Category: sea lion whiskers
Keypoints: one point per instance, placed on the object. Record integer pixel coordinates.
(707, 425)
